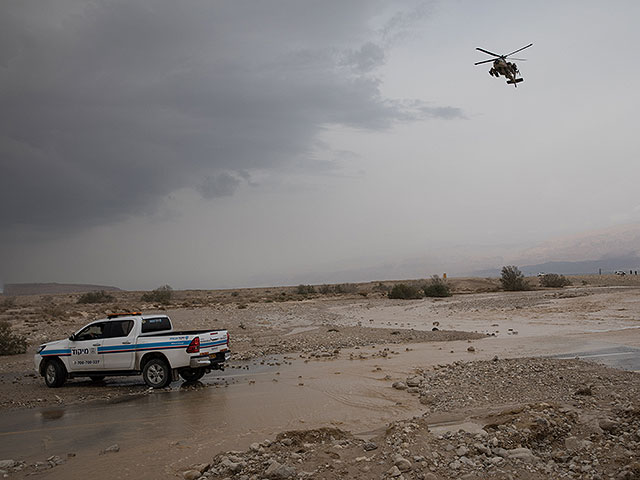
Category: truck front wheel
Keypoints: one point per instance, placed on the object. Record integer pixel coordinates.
(54, 374)
(156, 373)
(192, 374)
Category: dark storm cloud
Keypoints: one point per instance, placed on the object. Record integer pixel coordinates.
(108, 107)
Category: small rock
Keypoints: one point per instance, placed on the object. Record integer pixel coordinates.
(368, 446)
(462, 451)
(482, 449)
(607, 425)
(394, 472)
(4, 464)
(573, 443)
(500, 452)
(191, 474)
(402, 463)
(471, 348)
(112, 449)
(523, 454)
(399, 385)
(279, 472)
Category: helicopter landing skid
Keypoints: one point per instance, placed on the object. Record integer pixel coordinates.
(517, 80)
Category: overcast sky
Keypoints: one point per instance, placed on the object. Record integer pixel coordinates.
(209, 144)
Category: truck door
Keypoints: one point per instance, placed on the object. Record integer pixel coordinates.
(118, 346)
(85, 354)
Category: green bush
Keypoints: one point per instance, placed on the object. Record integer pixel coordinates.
(381, 287)
(554, 280)
(436, 288)
(405, 292)
(159, 295)
(96, 297)
(7, 303)
(11, 343)
(305, 289)
(512, 279)
(347, 288)
(338, 289)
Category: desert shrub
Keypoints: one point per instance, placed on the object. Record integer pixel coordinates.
(6, 303)
(342, 288)
(96, 297)
(159, 295)
(11, 343)
(512, 279)
(381, 287)
(338, 289)
(347, 288)
(554, 280)
(405, 292)
(305, 289)
(437, 287)
(53, 311)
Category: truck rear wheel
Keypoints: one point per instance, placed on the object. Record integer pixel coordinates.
(54, 373)
(192, 374)
(156, 373)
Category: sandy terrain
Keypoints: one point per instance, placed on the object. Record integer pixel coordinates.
(454, 405)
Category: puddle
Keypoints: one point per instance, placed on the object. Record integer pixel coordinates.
(453, 427)
(189, 424)
(301, 330)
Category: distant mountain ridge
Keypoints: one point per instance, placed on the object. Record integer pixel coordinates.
(584, 267)
(16, 289)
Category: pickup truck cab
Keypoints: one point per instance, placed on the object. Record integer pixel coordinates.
(133, 344)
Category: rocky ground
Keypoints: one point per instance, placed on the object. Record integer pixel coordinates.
(526, 418)
(530, 418)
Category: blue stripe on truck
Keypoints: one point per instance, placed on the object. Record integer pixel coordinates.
(61, 353)
(154, 346)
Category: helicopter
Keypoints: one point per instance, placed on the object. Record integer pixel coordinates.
(501, 66)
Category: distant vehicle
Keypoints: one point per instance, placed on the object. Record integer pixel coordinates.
(541, 274)
(620, 272)
(133, 344)
(503, 67)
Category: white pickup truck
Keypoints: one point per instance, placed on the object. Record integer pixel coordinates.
(133, 344)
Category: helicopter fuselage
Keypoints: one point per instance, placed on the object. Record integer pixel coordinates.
(504, 68)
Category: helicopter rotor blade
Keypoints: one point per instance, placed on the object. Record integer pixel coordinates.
(520, 49)
(484, 61)
(490, 53)
(519, 59)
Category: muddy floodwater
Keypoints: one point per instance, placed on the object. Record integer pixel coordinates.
(160, 434)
